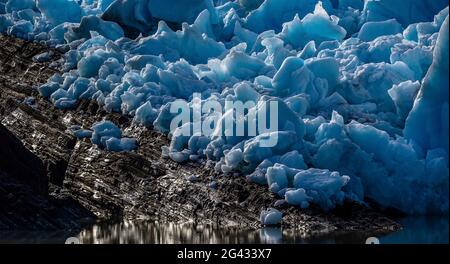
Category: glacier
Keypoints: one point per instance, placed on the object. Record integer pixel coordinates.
(361, 88)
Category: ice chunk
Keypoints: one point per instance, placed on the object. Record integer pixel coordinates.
(293, 159)
(330, 154)
(245, 36)
(109, 136)
(145, 114)
(139, 62)
(270, 217)
(193, 178)
(370, 139)
(255, 152)
(297, 197)
(309, 50)
(189, 43)
(332, 130)
(283, 78)
(233, 158)
(89, 65)
(277, 53)
(82, 89)
(371, 30)
(204, 24)
(240, 65)
(165, 116)
(82, 133)
(123, 144)
(21, 29)
(378, 78)
(403, 96)
(417, 58)
(327, 69)
(245, 93)
(273, 13)
(103, 131)
(109, 30)
(318, 26)
(276, 176)
(323, 186)
(60, 11)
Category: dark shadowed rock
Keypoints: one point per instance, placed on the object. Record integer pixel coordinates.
(23, 209)
(26, 203)
(20, 163)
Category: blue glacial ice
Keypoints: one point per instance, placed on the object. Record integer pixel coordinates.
(271, 14)
(107, 135)
(271, 217)
(60, 11)
(427, 122)
(405, 12)
(361, 88)
(371, 30)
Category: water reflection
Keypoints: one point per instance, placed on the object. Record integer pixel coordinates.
(271, 235)
(35, 237)
(420, 230)
(157, 233)
(416, 230)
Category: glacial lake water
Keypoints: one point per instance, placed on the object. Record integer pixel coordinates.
(417, 230)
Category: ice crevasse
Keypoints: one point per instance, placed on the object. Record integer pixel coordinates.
(361, 88)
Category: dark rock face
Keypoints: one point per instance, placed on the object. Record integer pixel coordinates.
(20, 163)
(142, 184)
(32, 153)
(44, 137)
(24, 192)
(23, 209)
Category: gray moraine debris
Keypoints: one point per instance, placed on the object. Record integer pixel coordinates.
(49, 180)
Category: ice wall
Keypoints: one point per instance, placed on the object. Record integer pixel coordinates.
(427, 123)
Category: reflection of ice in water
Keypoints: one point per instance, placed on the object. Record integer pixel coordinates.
(271, 235)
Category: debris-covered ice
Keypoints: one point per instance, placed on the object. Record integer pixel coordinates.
(360, 88)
